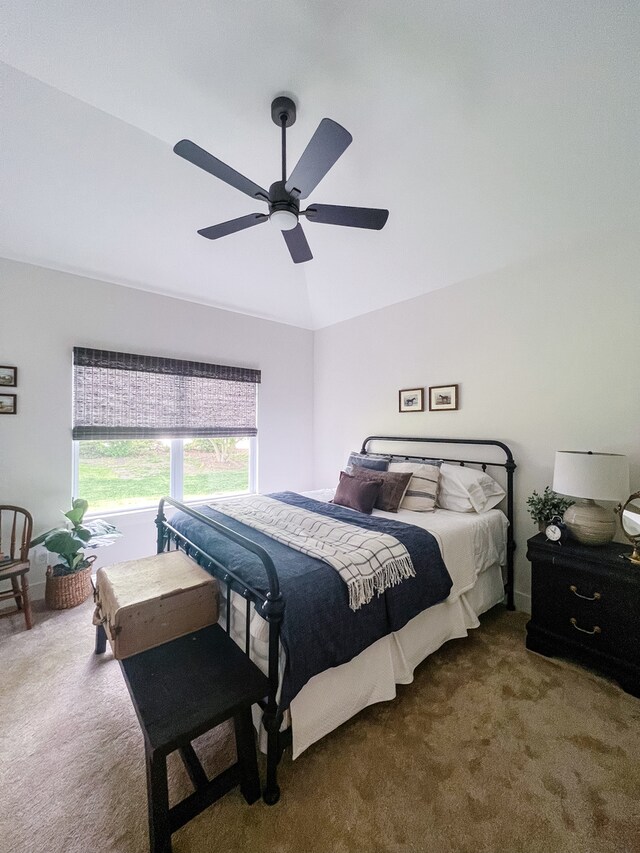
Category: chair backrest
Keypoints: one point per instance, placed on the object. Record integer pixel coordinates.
(16, 525)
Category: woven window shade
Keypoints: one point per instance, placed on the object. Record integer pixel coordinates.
(121, 395)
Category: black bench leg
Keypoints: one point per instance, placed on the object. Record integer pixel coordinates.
(101, 640)
(247, 759)
(158, 802)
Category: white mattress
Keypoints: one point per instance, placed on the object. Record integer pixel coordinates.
(473, 547)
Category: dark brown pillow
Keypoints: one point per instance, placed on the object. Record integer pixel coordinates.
(357, 494)
(394, 485)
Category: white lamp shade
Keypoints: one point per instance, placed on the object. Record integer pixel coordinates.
(599, 476)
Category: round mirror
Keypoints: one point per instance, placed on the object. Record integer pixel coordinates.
(630, 523)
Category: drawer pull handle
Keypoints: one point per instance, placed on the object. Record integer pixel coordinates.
(596, 628)
(595, 597)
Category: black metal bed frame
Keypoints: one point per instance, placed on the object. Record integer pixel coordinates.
(271, 605)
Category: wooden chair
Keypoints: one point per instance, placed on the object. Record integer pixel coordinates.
(16, 525)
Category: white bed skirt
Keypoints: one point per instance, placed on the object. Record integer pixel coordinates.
(334, 696)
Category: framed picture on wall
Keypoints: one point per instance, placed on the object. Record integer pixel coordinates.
(8, 404)
(411, 400)
(443, 398)
(8, 376)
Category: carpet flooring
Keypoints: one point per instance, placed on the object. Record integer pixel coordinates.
(492, 748)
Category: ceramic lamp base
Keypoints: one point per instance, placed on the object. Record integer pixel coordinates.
(590, 523)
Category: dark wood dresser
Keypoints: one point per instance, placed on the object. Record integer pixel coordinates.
(585, 604)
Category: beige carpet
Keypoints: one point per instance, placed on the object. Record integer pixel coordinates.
(492, 748)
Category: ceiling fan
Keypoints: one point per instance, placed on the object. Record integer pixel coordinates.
(326, 145)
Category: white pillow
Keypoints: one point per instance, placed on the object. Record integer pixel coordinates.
(422, 490)
(465, 489)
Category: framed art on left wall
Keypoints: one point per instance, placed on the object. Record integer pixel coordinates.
(8, 405)
(8, 376)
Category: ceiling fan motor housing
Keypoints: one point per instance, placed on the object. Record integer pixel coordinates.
(280, 199)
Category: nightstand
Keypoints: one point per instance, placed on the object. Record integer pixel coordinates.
(585, 604)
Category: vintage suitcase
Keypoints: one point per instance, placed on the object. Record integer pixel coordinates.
(144, 603)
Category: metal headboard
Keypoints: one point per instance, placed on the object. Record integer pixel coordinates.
(509, 465)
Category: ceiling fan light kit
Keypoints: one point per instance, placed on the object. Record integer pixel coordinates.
(284, 220)
(327, 144)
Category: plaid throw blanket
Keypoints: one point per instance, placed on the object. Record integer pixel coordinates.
(367, 561)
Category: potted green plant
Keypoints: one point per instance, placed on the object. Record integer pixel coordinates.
(542, 508)
(68, 582)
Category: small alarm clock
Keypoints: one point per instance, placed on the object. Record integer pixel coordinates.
(556, 531)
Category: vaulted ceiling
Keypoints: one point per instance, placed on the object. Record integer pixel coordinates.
(492, 131)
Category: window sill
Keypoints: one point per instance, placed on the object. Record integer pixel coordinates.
(148, 508)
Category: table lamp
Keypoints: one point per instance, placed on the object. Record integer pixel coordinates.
(590, 477)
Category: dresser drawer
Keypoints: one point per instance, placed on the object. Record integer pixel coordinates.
(588, 608)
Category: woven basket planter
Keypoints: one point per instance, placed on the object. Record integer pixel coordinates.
(66, 591)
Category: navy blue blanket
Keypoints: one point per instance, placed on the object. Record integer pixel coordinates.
(319, 629)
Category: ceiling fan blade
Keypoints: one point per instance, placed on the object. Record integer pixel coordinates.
(201, 158)
(297, 245)
(233, 225)
(353, 217)
(325, 146)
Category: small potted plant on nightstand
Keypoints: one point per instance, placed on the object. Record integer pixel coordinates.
(542, 508)
(69, 580)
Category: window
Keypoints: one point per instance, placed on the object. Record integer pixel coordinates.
(133, 473)
(147, 426)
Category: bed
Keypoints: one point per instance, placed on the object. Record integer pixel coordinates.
(318, 677)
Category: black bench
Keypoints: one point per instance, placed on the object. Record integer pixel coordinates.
(180, 690)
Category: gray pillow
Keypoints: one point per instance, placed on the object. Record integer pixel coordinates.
(374, 461)
(394, 486)
(357, 494)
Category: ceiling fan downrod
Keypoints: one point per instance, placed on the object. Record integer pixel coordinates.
(284, 148)
(283, 113)
(284, 210)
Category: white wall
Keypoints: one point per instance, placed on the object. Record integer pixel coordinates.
(546, 356)
(543, 354)
(45, 314)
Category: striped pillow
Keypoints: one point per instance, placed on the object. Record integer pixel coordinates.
(423, 487)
